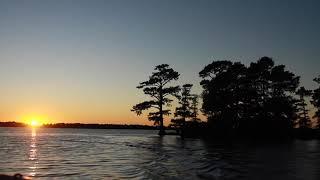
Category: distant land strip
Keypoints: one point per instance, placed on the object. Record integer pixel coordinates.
(80, 125)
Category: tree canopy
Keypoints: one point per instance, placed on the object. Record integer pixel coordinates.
(259, 99)
(236, 97)
(158, 91)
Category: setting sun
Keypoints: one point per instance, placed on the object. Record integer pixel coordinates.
(35, 123)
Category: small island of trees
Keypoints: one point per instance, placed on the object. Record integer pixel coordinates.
(259, 100)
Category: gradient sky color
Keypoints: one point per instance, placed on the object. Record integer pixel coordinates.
(80, 61)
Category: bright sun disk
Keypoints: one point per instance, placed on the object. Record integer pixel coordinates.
(34, 123)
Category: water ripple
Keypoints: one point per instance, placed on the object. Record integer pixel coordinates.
(131, 154)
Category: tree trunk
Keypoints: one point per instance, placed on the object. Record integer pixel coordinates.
(161, 131)
(182, 133)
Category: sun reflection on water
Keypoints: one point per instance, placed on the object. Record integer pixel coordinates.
(33, 153)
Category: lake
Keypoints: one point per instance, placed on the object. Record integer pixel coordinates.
(141, 154)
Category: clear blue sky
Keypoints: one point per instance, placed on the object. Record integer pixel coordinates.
(79, 61)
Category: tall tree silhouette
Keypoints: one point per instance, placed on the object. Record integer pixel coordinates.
(183, 112)
(316, 101)
(194, 107)
(303, 117)
(158, 90)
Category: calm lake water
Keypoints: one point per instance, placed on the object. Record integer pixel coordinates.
(141, 154)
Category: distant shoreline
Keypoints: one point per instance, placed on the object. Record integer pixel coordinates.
(300, 133)
(81, 125)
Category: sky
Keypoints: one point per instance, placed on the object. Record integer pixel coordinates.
(80, 61)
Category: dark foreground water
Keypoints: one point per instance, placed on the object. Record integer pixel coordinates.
(140, 154)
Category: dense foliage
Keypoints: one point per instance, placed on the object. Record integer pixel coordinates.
(250, 100)
(258, 100)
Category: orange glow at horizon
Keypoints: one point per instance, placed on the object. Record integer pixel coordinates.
(35, 121)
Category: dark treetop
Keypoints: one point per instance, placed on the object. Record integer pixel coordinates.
(250, 100)
(158, 90)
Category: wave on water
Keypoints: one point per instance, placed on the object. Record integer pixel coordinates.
(140, 154)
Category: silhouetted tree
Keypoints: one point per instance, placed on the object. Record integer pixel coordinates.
(222, 94)
(270, 101)
(303, 117)
(316, 101)
(194, 107)
(251, 99)
(158, 90)
(183, 112)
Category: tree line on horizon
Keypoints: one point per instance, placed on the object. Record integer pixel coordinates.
(79, 125)
(261, 98)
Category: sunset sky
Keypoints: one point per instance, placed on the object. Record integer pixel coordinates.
(80, 61)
